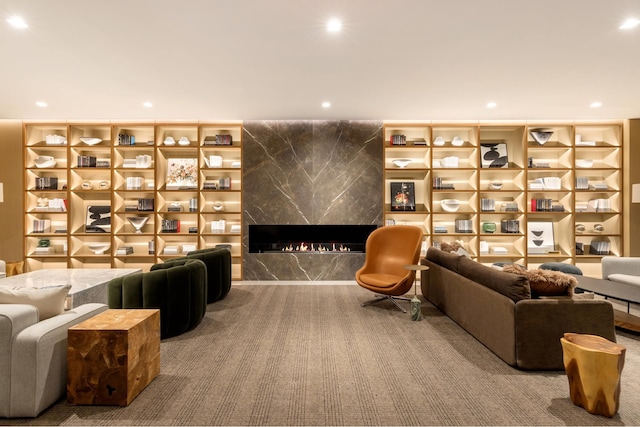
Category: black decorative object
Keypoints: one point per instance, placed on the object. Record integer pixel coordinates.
(98, 219)
(494, 155)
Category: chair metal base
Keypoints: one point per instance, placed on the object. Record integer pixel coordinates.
(387, 297)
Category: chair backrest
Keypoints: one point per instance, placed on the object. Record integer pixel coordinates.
(389, 249)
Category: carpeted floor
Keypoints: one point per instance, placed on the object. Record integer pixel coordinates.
(310, 355)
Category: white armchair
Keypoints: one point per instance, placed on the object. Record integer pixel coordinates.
(621, 269)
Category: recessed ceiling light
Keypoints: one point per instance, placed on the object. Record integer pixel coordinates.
(491, 105)
(334, 25)
(147, 104)
(17, 22)
(326, 104)
(629, 24)
(41, 104)
(596, 104)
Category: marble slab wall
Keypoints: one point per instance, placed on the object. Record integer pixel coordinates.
(310, 172)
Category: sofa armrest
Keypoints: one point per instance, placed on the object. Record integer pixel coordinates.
(620, 265)
(540, 323)
(39, 361)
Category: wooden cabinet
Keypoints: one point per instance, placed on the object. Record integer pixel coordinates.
(125, 172)
(496, 189)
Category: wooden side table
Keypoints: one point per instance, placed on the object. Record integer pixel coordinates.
(112, 357)
(593, 365)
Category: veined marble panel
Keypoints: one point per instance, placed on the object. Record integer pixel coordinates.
(310, 172)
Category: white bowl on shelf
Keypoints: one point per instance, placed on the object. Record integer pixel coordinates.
(98, 248)
(169, 141)
(450, 205)
(184, 141)
(401, 163)
(457, 141)
(439, 141)
(584, 163)
(90, 140)
(45, 162)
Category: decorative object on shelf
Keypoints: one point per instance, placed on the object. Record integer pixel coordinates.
(235, 164)
(45, 162)
(55, 140)
(489, 227)
(235, 228)
(175, 207)
(598, 228)
(540, 135)
(401, 163)
(218, 226)
(98, 248)
(145, 204)
(580, 228)
(487, 205)
(494, 155)
(403, 196)
(213, 161)
(495, 184)
(143, 161)
(182, 174)
(151, 247)
(138, 222)
(450, 205)
(511, 226)
(438, 184)
(457, 141)
(439, 141)
(98, 219)
(184, 141)
(579, 141)
(170, 226)
(398, 140)
(584, 163)
(193, 204)
(86, 185)
(193, 230)
(90, 140)
(449, 162)
(439, 229)
(540, 238)
(484, 247)
(42, 202)
(124, 139)
(46, 183)
(599, 247)
(218, 140)
(218, 206)
(463, 226)
(133, 183)
(104, 185)
(124, 250)
(169, 141)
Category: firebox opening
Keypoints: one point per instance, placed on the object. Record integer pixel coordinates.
(309, 238)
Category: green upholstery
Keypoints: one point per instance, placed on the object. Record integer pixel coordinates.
(218, 262)
(179, 291)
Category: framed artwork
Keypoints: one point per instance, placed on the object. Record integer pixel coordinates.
(494, 155)
(182, 174)
(403, 196)
(98, 219)
(540, 237)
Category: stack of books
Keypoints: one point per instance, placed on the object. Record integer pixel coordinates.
(398, 140)
(44, 250)
(124, 250)
(464, 226)
(599, 247)
(439, 185)
(46, 183)
(134, 183)
(145, 204)
(87, 161)
(487, 205)
(218, 226)
(509, 226)
(41, 225)
(170, 226)
(171, 250)
(439, 229)
(582, 183)
(124, 139)
(218, 140)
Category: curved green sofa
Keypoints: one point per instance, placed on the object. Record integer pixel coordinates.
(179, 291)
(218, 262)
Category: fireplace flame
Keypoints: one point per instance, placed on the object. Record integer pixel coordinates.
(303, 247)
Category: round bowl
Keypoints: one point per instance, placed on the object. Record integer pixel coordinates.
(450, 205)
(169, 141)
(495, 185)
(90, 141)
(457, 141)
(584, 163)
(541, 136)
(184, 141)
(98, 248)
(45, 162)
(439, 141)
(401, 163)
(218, 206)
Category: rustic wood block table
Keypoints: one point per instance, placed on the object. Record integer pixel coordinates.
(593, 365)
(112, 357)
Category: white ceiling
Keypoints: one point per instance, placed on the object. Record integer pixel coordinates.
(273, 59)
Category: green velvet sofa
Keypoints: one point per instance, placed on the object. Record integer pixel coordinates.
(178, 289)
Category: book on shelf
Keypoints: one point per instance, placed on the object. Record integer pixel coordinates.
(145, 204)
(170, 226)
(398, 140)
(218, 140)
(599, 247)
(124, 250)
(41, 225)
(87, 161)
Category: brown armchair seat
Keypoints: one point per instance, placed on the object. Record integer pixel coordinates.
(388, 250)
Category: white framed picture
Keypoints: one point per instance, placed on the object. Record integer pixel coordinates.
(540, 237)
(494, 155)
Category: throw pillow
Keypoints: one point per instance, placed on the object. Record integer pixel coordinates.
(545, 282)
(49, 300)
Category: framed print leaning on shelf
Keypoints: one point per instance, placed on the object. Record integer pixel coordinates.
(494, 155)
(182, 174)
(540, 237)
(98, 219)
(403, 196)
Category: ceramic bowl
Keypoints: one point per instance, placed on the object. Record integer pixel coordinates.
(184, 141)
(450, 205)
(439, 141)
(218, 206)
(98, 248)
(90, 141)
(401, 163)
(169, 141)
(584, 163)
(45, 162)
(495, 185)
(541, 136)
(457, 141)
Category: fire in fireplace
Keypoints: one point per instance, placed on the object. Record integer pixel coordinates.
(309, 238)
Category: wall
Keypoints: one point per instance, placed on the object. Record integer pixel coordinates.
(631, 168)
(11, 175)
(310, 172)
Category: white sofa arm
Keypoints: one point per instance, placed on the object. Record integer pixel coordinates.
(3, 269)
(39, 361)
(620, 265)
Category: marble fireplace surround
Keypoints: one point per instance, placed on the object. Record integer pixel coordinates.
(310, 172)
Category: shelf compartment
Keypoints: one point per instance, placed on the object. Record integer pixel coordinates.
(416, 219)
(413, 132)
(211, 130)
(511, 179)
(469, 134)
(554, 157)
(142, 133)
(35, 134)
(514, 244)
(58, 153)
(601, 135)
(177, 131)
(419, 157)
(467, 157)
(613, 178)
(562, 136)
(512, 136)
(601, 157)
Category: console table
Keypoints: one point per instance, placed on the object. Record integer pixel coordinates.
(87, 285)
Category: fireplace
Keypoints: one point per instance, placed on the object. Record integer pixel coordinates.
(314, 239)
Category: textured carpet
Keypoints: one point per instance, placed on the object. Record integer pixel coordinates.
(310, 355)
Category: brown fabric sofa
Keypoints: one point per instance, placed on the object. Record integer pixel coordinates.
(496, 308)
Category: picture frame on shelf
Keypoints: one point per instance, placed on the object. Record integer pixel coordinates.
(98, 219)
(494, 155)
(182, 174)
(403, 196)
(540, 238)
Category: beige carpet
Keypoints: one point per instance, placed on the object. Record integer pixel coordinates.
(310, 355)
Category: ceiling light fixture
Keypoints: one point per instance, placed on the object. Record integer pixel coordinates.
(596, 104)
(326, 104)
(629, 24)
(17, 22)
(41, 104)
(147, 104)
(491, 105)
(334, 26)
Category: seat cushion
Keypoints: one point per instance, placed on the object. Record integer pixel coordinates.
(561, 266)
(625, 278)
(380, 280)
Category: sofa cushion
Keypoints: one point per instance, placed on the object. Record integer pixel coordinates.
(625, 278)
(48, 300)
(448, 260)
(546, 282)
(508, 284)
(561, 266)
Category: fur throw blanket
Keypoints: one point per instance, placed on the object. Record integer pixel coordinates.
(545, 282)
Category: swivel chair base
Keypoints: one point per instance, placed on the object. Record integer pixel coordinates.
(387, 297)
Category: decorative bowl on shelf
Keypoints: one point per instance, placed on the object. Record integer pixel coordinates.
(541, 136)
(401, 163)
(169, 141)
(98, 248)
(90, 140)
(450, 205)
(218, 206)
(45, 162)
(439, 141)
(138, 222)
(495, 185)
(584, 163)
(184, 141)
(457, 141)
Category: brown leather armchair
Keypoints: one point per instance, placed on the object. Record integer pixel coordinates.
(388, 250)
